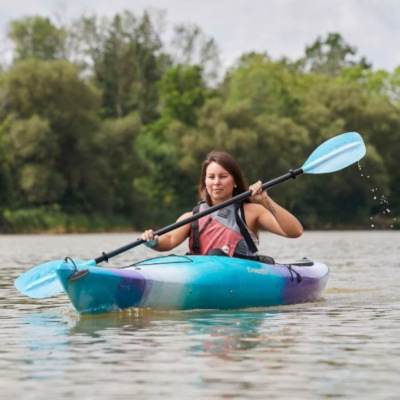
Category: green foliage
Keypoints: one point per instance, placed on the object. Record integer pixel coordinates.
(330, 107)
(329, 56)
(6, 190)
(127, 62)
(31, 220)
(29, 143)
(40, 185)
(51, 90)
(116, 135)
(37, 37)
(380, 82)
(265, 84)
(52, 219)
(182, 93)
(117, 154)
(30, 140)
(49, 123)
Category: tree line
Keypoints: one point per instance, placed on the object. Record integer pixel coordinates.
(103, 125)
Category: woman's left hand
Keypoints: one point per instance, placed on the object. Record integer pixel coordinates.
(258, 194)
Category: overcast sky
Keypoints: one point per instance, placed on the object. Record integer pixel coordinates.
(279, 27)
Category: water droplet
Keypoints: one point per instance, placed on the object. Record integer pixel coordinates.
(367, 176)
(374, 197)
(372, 225)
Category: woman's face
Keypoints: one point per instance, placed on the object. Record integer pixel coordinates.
(219, 183)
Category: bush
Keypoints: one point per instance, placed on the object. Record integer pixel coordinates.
(52, 220)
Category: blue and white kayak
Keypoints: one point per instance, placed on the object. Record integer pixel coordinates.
(193, 282)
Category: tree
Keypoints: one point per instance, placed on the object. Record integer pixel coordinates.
(127, 62)
(267, 85)
(380, 82)
(330, 107)
(121, 163)
(166, 186)
(6, 186)
(190, 46)
(51, 118)
(36, 37)
(182, 93)
(329, 56)
(381, 128)
(33, 149)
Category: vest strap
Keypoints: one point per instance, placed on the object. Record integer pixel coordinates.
(243, 229)
(196, 232)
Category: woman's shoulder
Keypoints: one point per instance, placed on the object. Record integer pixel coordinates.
(185, 215)
(252, 207)
(253, 211)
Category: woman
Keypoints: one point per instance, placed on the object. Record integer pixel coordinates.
(233, 229)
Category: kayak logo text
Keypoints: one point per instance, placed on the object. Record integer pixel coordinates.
(257, 271)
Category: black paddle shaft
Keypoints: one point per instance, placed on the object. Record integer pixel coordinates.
(176, 225)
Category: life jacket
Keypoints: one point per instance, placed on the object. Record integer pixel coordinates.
(224, 229)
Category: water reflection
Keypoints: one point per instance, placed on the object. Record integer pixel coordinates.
(142, 338)
(219, 334)
(211, 331)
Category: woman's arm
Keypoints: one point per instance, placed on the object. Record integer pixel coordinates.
(169, 240)
(270, 216)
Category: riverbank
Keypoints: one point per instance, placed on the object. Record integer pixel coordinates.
(53, 221)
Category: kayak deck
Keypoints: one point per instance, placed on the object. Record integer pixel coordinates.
(193, 282)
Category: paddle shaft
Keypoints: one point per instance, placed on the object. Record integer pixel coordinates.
(176, 225)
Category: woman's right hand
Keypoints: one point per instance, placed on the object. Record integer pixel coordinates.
(148, 236)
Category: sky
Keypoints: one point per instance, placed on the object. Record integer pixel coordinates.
(278, 27)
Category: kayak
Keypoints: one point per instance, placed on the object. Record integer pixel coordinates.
(176, 282)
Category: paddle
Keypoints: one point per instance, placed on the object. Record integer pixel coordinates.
(333, 155)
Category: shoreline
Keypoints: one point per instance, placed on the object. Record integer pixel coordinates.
(84, 231)
(54, 222)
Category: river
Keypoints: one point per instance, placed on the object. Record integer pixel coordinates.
(345, 345)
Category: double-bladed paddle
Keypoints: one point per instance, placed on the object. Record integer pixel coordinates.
(333, 155)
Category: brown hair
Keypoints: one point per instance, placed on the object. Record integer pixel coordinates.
(228, 162)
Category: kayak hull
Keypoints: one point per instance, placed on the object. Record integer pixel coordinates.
(193, 282)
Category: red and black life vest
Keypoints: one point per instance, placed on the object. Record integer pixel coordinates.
(225, 229)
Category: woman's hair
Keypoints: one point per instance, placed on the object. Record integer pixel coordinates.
(228, 162)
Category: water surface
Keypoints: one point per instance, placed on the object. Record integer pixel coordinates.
(345, 345)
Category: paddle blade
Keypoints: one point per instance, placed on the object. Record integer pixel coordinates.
(335, 154)
(42, 281)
